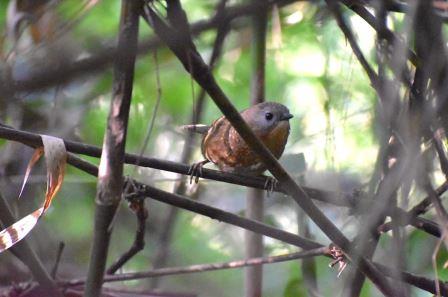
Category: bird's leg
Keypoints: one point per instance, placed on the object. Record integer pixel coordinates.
(196, 170)
(270, 184)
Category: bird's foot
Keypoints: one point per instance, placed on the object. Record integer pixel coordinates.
(339, 258)
(195, 170)
(270, 185)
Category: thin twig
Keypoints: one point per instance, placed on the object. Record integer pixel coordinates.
(54, 271)
(335, 9)
(382, 32)
(161, 255)
(443, 160)
(410, 216)
(138, 207)
(143, 190)
(320, 251)
(441, 212)
(154, 113)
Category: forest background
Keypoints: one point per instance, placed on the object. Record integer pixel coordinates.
(352, 122)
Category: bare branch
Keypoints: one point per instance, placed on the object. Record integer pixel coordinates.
(34, 140)
(168, 224)
(138, 207)
(193, 62)
(205, 267)
(110, 177)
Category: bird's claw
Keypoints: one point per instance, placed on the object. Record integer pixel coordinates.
(195, 171)
(130, 188)
(339, 258)
(270, 184)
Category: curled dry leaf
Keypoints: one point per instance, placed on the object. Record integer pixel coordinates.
(55, 157)
(18, 230)
(36, 156)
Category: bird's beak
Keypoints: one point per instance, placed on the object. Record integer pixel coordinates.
(286, 117)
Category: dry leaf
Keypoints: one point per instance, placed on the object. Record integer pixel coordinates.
(55, 159)
(17, 231)
(36, 156)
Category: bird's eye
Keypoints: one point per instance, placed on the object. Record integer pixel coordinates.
(268, 116)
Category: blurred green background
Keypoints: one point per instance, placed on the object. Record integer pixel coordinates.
(310, 68)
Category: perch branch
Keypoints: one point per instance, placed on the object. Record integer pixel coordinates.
(34, 140)
(335, 198)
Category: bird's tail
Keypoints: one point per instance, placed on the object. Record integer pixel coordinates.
(198, 128)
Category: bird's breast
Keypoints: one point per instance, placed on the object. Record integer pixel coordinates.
(276, 139)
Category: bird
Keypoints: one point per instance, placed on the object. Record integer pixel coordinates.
(222, 145)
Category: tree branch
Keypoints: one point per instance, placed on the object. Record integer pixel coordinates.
(34, 140)
(110, 177)
(188, 204)
(194, 64)
(141, 213)
(162, 253)
(204, 267)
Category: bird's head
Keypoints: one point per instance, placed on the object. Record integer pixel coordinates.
(265, 117)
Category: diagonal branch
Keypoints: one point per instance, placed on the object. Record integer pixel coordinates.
(160, 257)
(185, 203)
(354, 199)
(194, 64)
(335, 9)
(188, 204)
(180, 201)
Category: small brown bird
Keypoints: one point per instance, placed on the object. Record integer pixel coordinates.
(223, 146)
